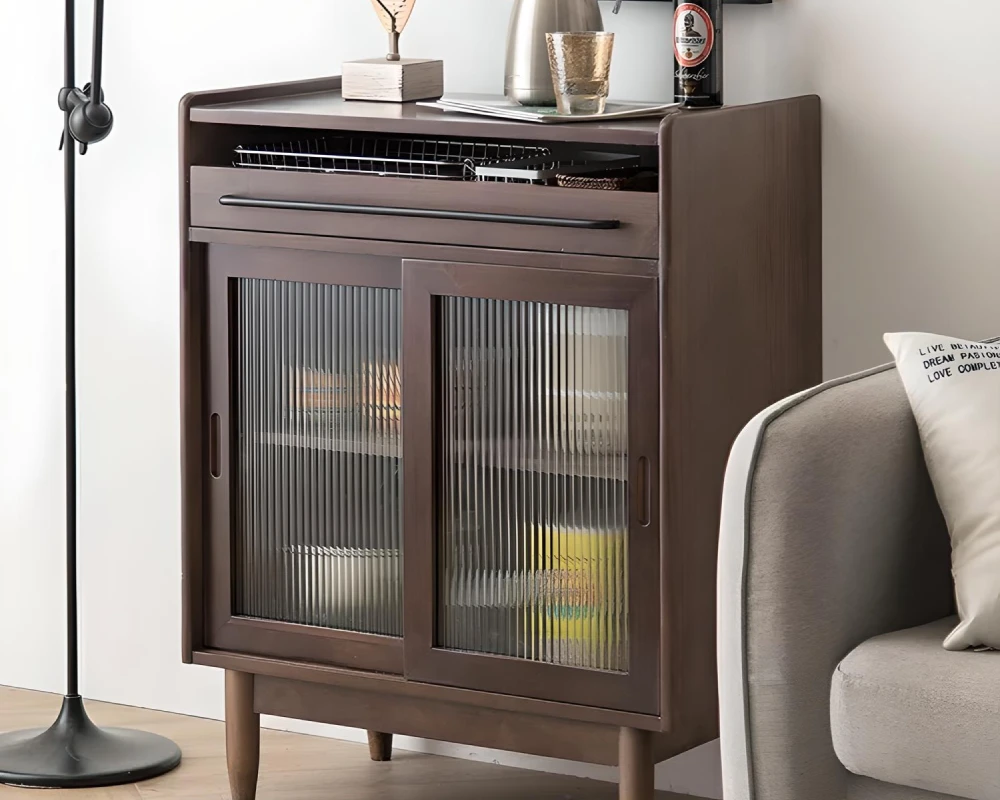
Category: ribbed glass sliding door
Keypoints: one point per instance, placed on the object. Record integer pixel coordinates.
(317, 487)
(533, 532)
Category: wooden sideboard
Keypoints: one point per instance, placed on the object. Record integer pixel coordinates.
(453, 450)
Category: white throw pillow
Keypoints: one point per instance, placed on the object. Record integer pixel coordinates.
(954, 390)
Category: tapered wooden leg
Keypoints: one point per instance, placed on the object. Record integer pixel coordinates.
(380, 746)
(635, 764)
(242, 736)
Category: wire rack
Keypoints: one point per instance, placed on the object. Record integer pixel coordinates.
(386, 157)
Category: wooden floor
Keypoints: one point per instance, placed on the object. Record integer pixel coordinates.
(294, 767)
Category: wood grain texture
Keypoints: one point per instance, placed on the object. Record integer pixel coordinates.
(359, 651)
(443, 721)
(313, 105)
(404, 691)
(223, 263)
(423, 282)
(311, 266)
(741, 328)
(638, 236)
(242, 736)
(397, 251)
(292, 766)
(192, 302)
(400, 81)
(736, 230)
(195, 144)
(635, 765)
(216, 524)
(380, 746)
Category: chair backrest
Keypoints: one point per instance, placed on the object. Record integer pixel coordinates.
(831, 534)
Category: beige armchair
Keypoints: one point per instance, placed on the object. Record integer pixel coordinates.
(834, 599)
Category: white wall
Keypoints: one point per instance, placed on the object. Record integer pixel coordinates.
(912, 170)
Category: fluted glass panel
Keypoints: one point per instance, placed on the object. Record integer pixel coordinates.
(318, 485)
(533, 544)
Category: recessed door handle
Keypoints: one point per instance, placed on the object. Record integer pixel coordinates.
(420, 213)
(214, 448)
(645, 491)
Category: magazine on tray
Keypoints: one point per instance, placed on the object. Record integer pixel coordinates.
(497, 106)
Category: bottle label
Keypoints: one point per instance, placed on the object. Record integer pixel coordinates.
(694, 35)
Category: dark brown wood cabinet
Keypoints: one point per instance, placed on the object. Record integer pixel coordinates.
(453, 450)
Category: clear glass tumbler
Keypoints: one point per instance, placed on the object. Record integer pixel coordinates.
(581, 68)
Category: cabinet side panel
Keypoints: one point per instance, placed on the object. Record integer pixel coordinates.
(191, 300)
(742, 327)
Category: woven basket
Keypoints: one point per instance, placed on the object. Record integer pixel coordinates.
(611, 184)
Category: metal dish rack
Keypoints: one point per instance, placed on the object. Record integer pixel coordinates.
(386, 157)
(437, 159)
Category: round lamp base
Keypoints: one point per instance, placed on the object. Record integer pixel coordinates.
(74, 753)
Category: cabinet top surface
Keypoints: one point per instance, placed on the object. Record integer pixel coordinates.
(318, 104)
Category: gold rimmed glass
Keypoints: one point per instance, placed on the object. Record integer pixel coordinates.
(581, 70)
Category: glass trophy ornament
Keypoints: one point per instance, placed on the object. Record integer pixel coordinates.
(393, 79)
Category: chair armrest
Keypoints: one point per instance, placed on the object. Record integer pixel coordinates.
(831, 534)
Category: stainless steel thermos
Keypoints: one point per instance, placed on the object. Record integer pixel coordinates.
(528, 78)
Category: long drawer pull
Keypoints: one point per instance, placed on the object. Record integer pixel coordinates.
(421, 213)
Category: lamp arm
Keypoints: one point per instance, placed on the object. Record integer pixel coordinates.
(88, 118)
(98, 65)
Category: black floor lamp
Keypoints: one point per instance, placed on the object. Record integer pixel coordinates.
(74, 752)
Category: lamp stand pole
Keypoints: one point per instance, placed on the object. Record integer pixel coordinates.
(74, 752)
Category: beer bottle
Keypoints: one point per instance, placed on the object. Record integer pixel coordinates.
(698, 53)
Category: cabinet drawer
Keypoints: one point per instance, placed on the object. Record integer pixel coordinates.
(508, 216)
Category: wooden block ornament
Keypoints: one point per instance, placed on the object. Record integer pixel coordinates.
(393, 79)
